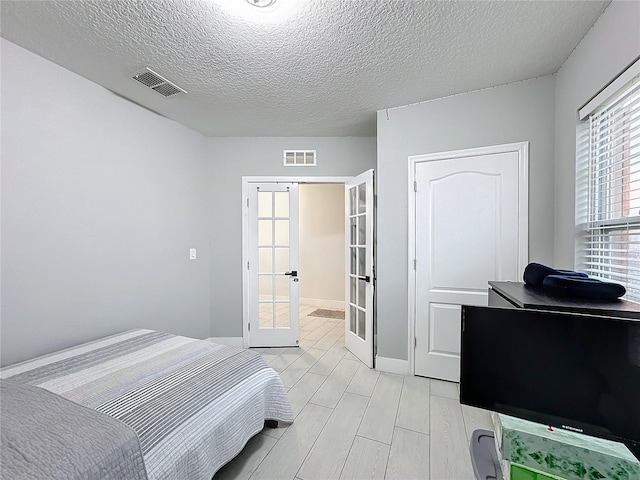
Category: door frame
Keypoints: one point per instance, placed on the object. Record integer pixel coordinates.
(246, 182)
(522, 149)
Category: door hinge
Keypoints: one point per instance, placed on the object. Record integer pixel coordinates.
(415, 342)
(247, 202)
(415, 186)
(415, 264)
(249, 327)
(247, 265)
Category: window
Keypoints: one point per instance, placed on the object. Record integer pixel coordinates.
(608, 191)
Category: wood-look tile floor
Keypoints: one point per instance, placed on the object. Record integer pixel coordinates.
(355, 423)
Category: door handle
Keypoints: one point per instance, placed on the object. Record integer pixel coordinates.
(366, 278)
(293, 273)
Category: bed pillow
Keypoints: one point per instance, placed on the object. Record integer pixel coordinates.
(46, 436)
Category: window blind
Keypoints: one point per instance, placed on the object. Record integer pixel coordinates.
(608, 191)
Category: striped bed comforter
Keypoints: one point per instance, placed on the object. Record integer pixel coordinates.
(192, 403)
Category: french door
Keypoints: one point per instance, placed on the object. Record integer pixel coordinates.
(359, 276)
(273, 265)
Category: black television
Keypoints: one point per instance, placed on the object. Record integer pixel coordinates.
(573, 371)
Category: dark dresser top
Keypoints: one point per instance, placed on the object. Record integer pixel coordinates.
(525, 296)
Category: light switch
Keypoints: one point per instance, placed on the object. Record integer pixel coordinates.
(192, 254)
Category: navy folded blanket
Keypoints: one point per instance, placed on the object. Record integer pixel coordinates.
(535, 273)
(568, 283)
(587, 288)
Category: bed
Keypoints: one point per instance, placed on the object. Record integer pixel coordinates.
(146, 405)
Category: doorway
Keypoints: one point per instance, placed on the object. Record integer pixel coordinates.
(276, 286)
(322, 230)
(322, 264)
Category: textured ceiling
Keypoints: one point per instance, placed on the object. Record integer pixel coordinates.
(307, 68)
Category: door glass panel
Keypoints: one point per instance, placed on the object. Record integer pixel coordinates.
(353, 200)
(265, 232)
(266, 315)
(353, 270)
(362, 229)
(352, 297)
(282, 204)
(362, 290)
(265, 287)
(282, 260)
(264, 204)
(362, 262)
(282, 287)
(352, 319)
(265, 260)
(283, 315)
(362, 329)
(354, 230)
(362, 197)
(282, 232)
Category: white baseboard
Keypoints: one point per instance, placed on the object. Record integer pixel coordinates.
(392, 365)
(230, 341)
(319, 302)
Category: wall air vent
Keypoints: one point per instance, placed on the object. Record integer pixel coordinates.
(299, 158)
(158, 83)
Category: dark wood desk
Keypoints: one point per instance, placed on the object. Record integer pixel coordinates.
(519, 295)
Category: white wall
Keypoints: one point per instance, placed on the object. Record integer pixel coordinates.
(101, 201)
(322, 242)
(505, 114)
(229, 160)
(611, 44)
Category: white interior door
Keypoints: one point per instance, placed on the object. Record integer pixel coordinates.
(470, 228)
(273, 265)
(359, 267)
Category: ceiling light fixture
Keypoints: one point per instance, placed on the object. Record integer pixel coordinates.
(261, 3)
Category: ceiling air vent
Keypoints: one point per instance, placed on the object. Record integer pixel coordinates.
(299, 158)
(159, 84)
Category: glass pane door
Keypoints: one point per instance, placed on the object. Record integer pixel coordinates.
(275, 255)
(359, 278)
